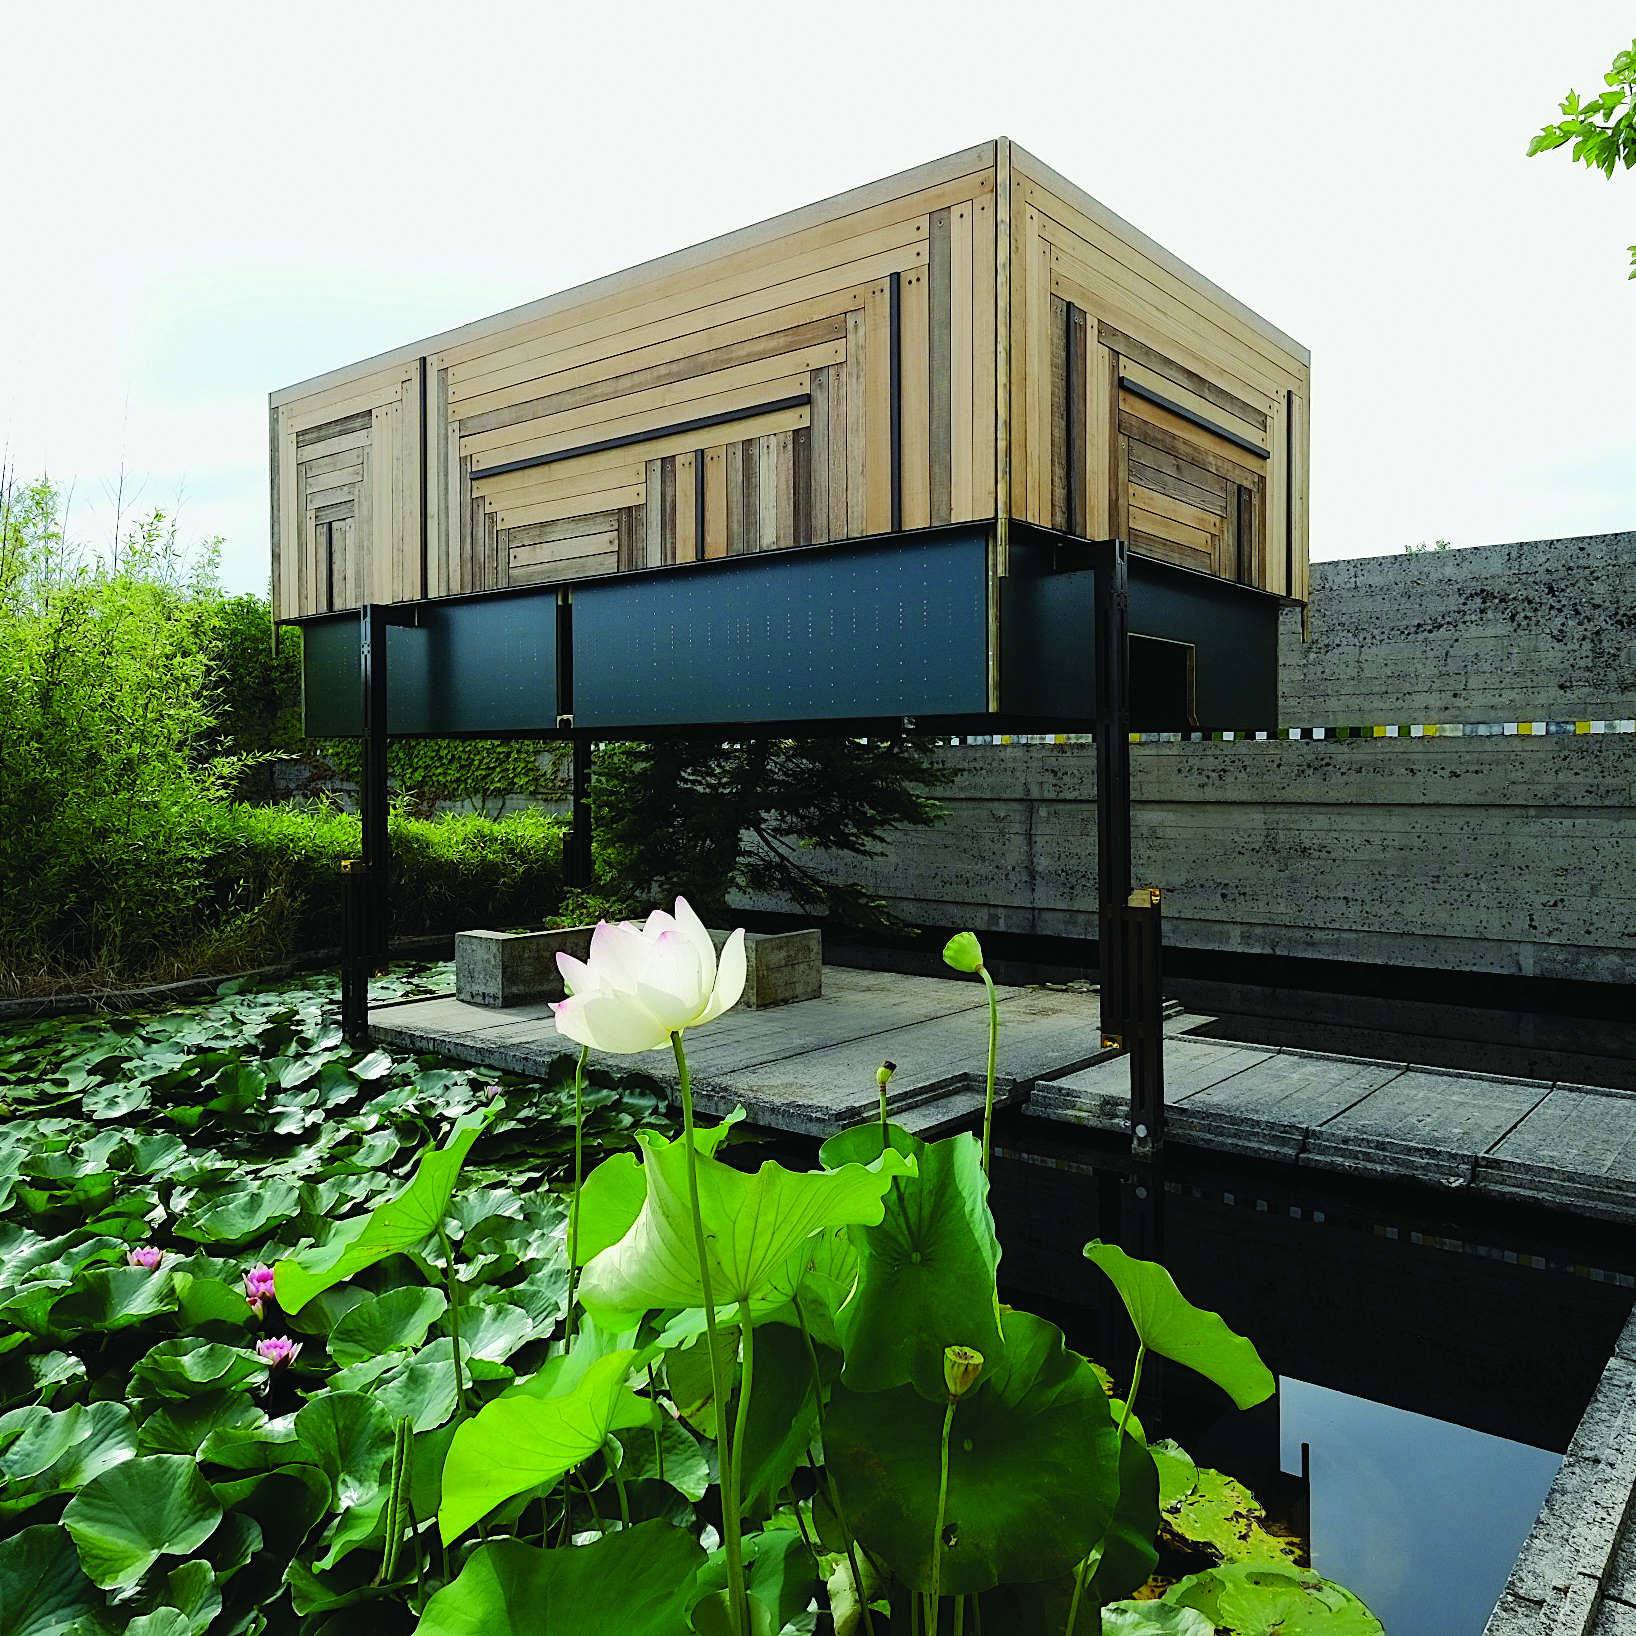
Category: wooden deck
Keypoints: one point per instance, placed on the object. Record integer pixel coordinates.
(1567, 1146)
(810, 1069)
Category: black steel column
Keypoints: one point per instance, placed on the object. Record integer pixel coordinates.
(577, 866)
(372, 791)
(1113, 788)
(1144, 1022)
(354, 955)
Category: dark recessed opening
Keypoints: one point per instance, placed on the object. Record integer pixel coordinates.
(1161, 686)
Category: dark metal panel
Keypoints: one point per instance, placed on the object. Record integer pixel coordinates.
(1047, 637)
(488, 667)
(898, 629)
(1234, 633)
(331, 678)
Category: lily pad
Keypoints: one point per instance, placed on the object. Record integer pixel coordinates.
(753, 1224)
(1033, 1476)
(185, 1368)
(395, 1321)
(108, 1298)
(124, 1520)
(1169, 1324)
(520, 1441)
(349, 1437)
(43, 1588)
(635, 1582)
(1153, 1619)
(400, 1224)
(1221, 1514)
(1256, 1599)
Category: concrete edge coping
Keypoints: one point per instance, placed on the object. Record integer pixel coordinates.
(1572, 1558)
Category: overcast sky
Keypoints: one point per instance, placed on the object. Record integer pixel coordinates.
(205, 203)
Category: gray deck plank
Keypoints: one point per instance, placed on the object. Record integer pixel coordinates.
(1434, 1125)
(1579, 1143)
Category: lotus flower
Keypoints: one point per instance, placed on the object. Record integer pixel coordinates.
(277, 1350)
(644, 983)
(258, 1287)
(147, 1257)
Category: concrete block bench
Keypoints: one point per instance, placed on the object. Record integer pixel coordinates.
(520, 968)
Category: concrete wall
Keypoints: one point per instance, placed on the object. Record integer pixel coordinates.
(1477, 853)
(1506, 855)
(1537, 630)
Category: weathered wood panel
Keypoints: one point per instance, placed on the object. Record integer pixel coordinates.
(738, 397)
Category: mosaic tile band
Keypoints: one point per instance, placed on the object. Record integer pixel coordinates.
(1443, 729)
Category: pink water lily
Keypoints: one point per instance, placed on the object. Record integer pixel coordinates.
(278, 1350)
(147, 1257)
(258, 1287)
(644, 983)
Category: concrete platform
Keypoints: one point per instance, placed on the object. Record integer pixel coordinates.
(1568, 1146)
(810, 1067)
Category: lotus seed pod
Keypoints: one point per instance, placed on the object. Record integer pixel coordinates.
(961, 1367)
(963, 952)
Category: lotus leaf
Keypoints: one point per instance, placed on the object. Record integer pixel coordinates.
(752, 1222)
(395, 1321)
(211, 1301)
(518, 1442)
(107, 1298)
(1129, 1553)
(100, 1435)
(678, 1458)
(179, 1427)
(494, 1330)
(635, 1582)
(191, 1589)
(185, 1367)
(280, 1508)
(124, 1520)
(1221, 1514)
(1257, 1599)
(925, 1275)
(1033, 1479)
(1169, 1324)
(423, 1386)
(783, 1414)
(242, 1214)
(43, 1588)
(400, 1224)
(349, 1438)
(1153, 1619)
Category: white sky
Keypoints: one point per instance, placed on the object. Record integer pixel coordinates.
(204, 203)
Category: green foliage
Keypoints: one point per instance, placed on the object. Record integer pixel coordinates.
(205, 1481)
(136, 700)
(482, 772)
(1169, 1324)
(706, 820)
(1602, 128)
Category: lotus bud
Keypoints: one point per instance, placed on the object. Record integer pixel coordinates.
(278, 1350)
(147, 1257)
(884, 1073)
(963, 952)
(961, 1367)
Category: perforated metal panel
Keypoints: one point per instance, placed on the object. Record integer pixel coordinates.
(841, 633)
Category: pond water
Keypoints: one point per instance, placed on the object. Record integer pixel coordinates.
(1434, 1351)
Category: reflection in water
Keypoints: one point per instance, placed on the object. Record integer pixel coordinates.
(1420, 1518)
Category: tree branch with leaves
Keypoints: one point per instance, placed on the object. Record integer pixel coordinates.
(1602, 128)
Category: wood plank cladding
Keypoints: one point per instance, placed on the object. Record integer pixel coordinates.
(970, 339)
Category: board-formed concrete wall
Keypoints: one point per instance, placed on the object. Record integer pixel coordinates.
(1537, 630)
(1502, 854)
(1505, 855)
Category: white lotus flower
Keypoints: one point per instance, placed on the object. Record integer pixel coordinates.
(643, 983)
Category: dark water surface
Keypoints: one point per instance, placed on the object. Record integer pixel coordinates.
(1435, 1350)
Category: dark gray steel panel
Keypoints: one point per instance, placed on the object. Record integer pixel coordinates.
(1235, 638)
(1047, 638)
(477, 667)
(331, 688)
(842, 633)
(468, 667)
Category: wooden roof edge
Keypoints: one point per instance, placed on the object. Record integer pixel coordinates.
(967, 161)
(1036, 170)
